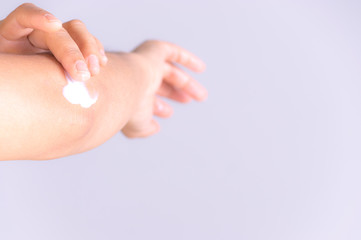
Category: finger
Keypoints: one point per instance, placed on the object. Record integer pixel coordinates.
(162, 109)
(179, 79)
(166, 90)
(65, 50)
(172, 53)
(24, 19)
(104, 58)
(86, 43)
(196, 90)
(175, 76)
(147, 130)
(181, 56)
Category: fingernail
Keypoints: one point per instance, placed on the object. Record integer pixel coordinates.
(93, 63)
(53, 21)
(104, 57)
(50, 17)
(82, 70)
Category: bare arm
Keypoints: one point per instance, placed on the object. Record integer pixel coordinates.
(37, 122)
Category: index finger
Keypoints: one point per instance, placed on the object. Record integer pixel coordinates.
(24, 19)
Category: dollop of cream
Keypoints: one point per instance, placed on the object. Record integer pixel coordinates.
(77, 93)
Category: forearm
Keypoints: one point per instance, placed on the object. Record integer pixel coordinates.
(37, 122)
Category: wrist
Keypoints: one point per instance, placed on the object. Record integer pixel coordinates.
(121, 86)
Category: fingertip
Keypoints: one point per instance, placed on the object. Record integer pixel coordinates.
(202, 95)
(204, 67)
(103, 57)
(80, 77)
(167, 112)
(53, 23)
(93, 64)
(83, 76)
(55, 26)
(199, 65)
(81, 71)
(162, 109)
(156, 127)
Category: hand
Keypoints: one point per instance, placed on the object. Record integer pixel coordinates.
(165, 79)
(29, 30)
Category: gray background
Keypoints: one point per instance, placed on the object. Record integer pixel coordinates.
(273, 154)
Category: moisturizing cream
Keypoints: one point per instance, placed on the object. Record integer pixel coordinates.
(77, 93)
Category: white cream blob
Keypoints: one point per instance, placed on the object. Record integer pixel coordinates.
(77, 93)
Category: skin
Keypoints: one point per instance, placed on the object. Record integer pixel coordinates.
(38, 123)
(30, 29)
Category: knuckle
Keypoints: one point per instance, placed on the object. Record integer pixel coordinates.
(25, 5)
(88, 45)
(75, 23)
(26, 11)
(162, 46)
(153, 42)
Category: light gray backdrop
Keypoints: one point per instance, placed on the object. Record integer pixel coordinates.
(273, 154)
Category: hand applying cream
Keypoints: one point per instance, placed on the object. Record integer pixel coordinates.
(30, 30)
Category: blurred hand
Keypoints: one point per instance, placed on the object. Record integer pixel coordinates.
(165, 79)
(29, 30)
